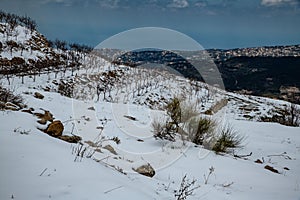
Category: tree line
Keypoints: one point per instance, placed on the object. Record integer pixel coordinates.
(67, 55)
(13, 20)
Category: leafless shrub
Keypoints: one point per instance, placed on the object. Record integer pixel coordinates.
(289, 116)
(8, 96)
(188, 111)
(293, 115)
(91, 147)
(186, 188)
(206, 178)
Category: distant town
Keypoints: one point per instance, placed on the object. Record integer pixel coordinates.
(274, 51)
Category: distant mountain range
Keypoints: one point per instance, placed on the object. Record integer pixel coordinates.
(264, 71)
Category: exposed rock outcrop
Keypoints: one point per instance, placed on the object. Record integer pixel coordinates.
(55, 129)
(146, 170)
(47, 116)
(70, 139)
(38, 95)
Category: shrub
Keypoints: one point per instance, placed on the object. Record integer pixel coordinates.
(164, 130)
(228, 138)
(199, 129)
(188, 111)
(66, 89)
(8, 96)
(167, 129)
(292, 117)
(174, 111)
(186, 188)
(289, 116)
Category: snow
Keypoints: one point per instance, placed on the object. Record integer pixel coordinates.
(25, 156)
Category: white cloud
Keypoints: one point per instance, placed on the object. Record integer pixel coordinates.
(108, 3)
(179, 4)
(200, 4)
(278, 2)
(62, 2)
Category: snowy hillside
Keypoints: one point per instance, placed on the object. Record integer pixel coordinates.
(36, 166)
(106, 113)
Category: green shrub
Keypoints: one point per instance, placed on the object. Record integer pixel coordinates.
(164, 130)
(199, 129)
(174, 111)
(228, 138)
(167, 129)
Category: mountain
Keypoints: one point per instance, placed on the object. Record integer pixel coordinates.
(103, 130)
(261, 71)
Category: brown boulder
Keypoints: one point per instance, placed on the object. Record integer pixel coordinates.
(55, 129)
(272, 169)
(47, 116)
(38, 95)
(146, 170)
(258, 161)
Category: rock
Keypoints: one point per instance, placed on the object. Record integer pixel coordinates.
(272, 169)
(38, 95)
(110, 149)
(130, 117)
(258, 161)
(47, 89)
(28, 110)
(11, 106)
(47, 116)
(146, 170)
(70, 139)
(55, 129)
(91, 108)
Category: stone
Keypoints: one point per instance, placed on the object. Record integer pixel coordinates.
(47, 116)
(11, 106)
(55, 129)
(38, 95)
(28, 110)
(258, 161)
(146, 170)
(70, 139)
(272, 169)
(91, 108)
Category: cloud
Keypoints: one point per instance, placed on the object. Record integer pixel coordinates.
(179, 4)
(279, 2)
(55, 1)
(200, 4)
(109, 3)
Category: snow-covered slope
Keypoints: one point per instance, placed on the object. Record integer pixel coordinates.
(37, 166)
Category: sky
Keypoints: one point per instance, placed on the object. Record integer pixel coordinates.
(223, 24)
